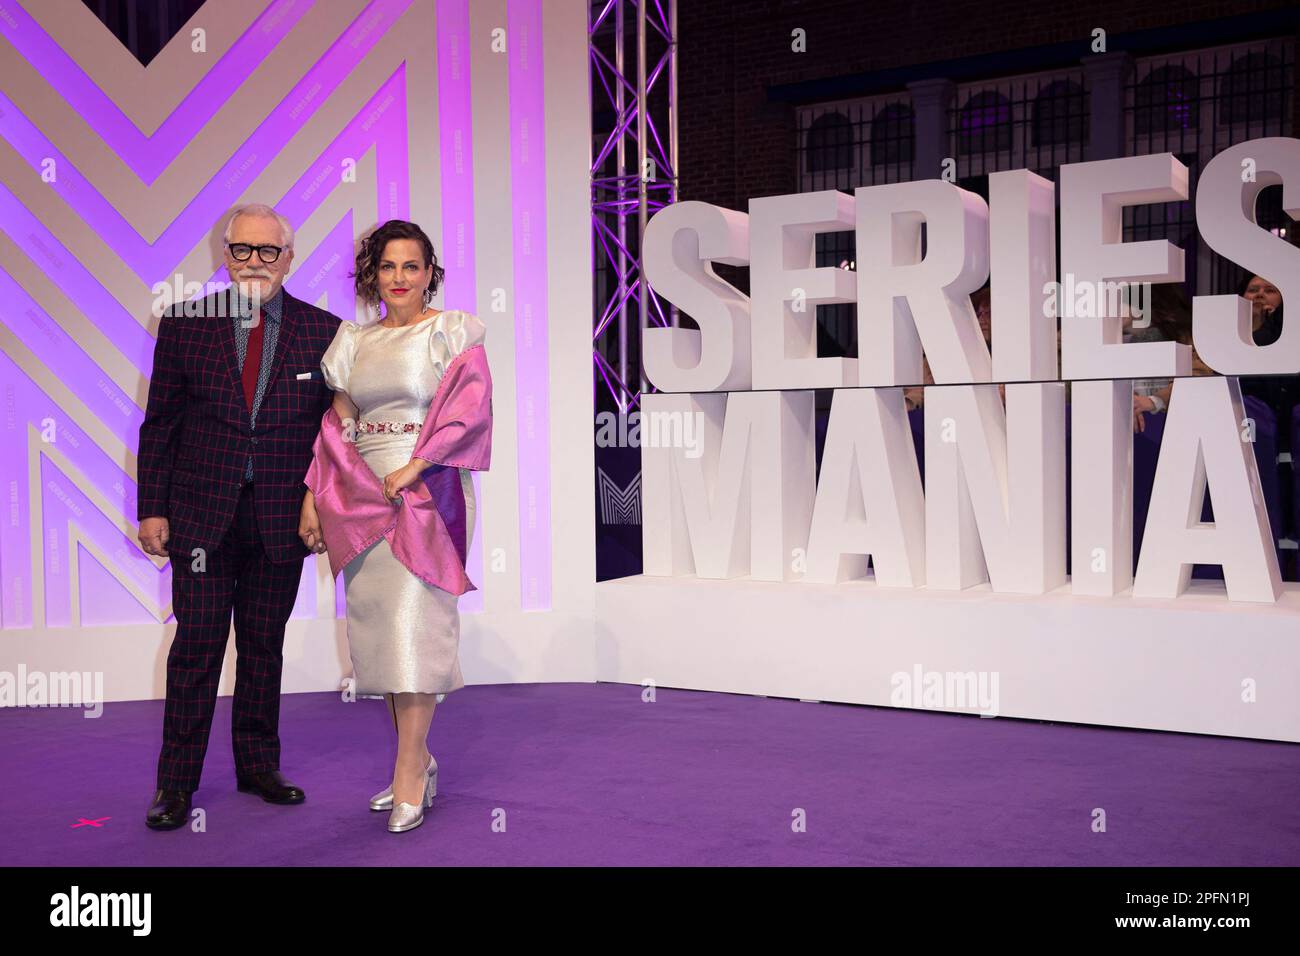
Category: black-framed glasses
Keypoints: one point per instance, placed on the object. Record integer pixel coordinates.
(242, 252)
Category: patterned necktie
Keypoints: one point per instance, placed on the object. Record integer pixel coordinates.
(253, 361)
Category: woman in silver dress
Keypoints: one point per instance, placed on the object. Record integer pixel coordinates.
(403, 633)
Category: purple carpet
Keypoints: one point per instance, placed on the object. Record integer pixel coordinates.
(589, 774)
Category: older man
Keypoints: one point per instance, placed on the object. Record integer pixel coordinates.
(235, 403)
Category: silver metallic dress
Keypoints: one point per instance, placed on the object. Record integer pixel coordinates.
(403, 633)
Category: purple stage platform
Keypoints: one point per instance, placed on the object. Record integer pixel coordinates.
(589, 774)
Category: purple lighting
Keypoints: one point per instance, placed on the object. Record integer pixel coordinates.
(532, 347)
(152, 257)
(456, 250)
(149, 155)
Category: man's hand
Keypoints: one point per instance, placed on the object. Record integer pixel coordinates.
(154, 534)
(309, 526)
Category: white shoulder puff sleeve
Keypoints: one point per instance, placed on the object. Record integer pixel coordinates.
(338, 358)
(453, 332)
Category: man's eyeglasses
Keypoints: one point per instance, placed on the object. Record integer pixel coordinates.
(242, 252)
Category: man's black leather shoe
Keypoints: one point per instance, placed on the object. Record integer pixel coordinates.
(271, 786)
(170, 810)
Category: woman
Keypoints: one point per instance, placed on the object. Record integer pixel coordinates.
(1265, 305)
(397, 507)
(1277, 392)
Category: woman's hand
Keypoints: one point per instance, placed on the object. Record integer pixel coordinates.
(309, 526)
(404, 477)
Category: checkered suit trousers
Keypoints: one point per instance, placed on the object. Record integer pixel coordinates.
(237, 578)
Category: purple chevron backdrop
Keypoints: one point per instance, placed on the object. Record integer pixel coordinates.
(115, 180)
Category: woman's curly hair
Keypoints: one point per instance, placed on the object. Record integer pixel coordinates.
(371, 251)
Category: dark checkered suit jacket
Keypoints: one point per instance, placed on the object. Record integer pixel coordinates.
(195, 438)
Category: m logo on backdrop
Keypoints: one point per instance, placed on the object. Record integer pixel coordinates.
(993, 505)
(618, 505)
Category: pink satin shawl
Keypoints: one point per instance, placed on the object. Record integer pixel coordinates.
(427, 531)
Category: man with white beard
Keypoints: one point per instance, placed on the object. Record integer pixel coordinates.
(236, 397)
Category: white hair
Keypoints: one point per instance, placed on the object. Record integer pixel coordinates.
(261, 209)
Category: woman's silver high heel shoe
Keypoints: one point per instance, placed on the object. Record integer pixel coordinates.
(407, 816)
(384, 799)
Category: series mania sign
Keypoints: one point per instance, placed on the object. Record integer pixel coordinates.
(749, 502)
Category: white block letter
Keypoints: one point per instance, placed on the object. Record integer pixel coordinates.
(1202, 445)
(785, 287)
(869, 498)
(905, 301)
(681, 243)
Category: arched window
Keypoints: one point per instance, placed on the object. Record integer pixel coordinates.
(830, 143)
(1167, 101)
(1060, 114)
(893, 135)
(984, 124)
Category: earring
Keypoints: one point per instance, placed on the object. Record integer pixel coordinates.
(372, 310)
(428, 297)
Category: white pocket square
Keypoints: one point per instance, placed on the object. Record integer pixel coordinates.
(303, 376)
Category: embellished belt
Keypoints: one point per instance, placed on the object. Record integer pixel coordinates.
(389, 427)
